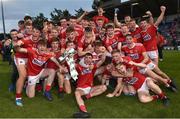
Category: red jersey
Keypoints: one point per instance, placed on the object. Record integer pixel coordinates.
(136, 80)
(113, 42)
(36, 61)
(85, 76)
(136, 34)
(149, 38)
(26, 44)
(136, 53)
(96, 18)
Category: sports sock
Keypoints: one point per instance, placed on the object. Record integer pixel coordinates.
(83, 108)
(18, 96)
(48, 87)
(60, 89)
(155, 97)
(162, 95)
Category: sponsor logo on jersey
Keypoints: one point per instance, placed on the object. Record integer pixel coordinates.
(38, 62)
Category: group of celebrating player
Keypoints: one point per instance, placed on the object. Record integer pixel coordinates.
(80, 50)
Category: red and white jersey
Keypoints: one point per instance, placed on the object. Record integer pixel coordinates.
(105, 19)
(85, 76)
(26, 44)
(136, 34)
(36, 61)
(149, 38)
(136, 53)
(113, 42)
(136, 80)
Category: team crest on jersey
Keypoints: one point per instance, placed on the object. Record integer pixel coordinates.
(38, 62)
(147, 37)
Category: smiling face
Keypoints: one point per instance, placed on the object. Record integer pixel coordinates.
(88, 59)
(116, 57)
(129, 40)
(143, 24)
(110, 32)
(41, 48)
(14, 35)
(36, 34)
(121, 68)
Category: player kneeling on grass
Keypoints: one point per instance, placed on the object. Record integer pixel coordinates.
(85, 84)
(35, 67)
(142, 84)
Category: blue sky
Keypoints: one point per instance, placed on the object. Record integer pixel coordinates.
(15, 10)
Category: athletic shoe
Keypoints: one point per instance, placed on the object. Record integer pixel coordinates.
(172, 84)
(81, 115)
(48, 96)
(166, 101)
(19, 102)
(61, 94)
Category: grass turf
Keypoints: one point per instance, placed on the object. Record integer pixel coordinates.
(100, 106)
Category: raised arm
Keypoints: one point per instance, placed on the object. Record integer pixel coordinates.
(82, 16)
(160, 18)
(21, 50)
(116, 22)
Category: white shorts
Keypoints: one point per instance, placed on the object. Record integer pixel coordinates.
(144, 87)
(150, 66)
(20, 61)
(32, 80)
(153, 54)
(85, 90)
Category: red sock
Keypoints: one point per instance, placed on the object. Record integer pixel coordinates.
(168, 81)
(161, 95)
(88, 96)
(60, 89)
(48, 87)
(18, 96)
(83, 108)
(155, 97)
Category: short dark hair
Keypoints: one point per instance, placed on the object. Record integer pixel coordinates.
(54, 39)
(88, 29)
(42, 42)
(21, 22)
(115, 51)
(70, 29)
(13, 30)
(67, 42)
(27, 17)
(109, 25)
(88, 54)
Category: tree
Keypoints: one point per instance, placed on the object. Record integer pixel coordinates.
(57, 14)
(38, 20)
(79, 12)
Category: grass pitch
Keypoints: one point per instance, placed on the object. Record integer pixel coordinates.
(100, 106)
